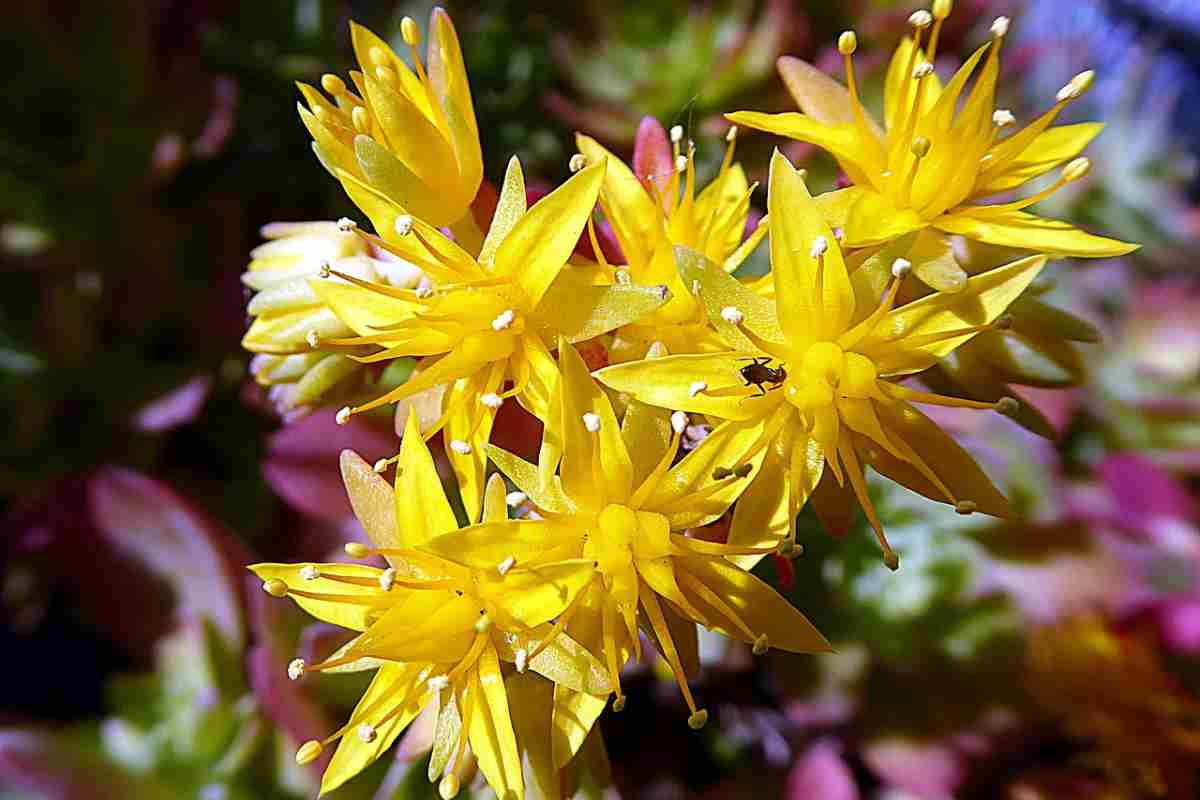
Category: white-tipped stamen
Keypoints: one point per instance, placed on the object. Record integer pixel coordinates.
(424, 292)
(676, 134)
(732, 314)
(847, 43)
(504, 320)
(681, 163)
(343, 416)
(345, 224)
(325, 271)
(623, 277)
(410, 32)
(1002, 118)
(504, 566)
(819, 246)
(1007, 406)
(591, 421)
(356, 550)
(922, 70)
(679, 422)
(837, 234)
(920, 19)
(577, 162)
(366, 733)
(295, 669)
(313, 338)
(901, 267)
(309, 752)
(696, 288)
(731, 134)
(483, 623)
(380, 465)
(965, 507)
(387, 579)
(515, 499)
(1003, 322)
(1000, 27)
(438, 682)
(1076, 169)
(941, 8)
(521, 659)
(492, 400)
(404, 224)
(696, 388)
(460, 447)
(309, 573)
(761, 645)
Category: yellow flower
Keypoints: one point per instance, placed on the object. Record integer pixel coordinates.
(410, 136)
(485, 321)
(650, 217)
(607, 492)
(292, 326)
(933, 160)
(435, 631)
(836, 350)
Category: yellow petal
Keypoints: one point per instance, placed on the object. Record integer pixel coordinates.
(362, 309)
(668, 382)
(426, 625)
(574, 715)
(564, 660)
(1049, 149)
(531, 703)
(685, 637)
(820, 96)
(422, 510)
(580, 312)
(899, 86)
(585, 450)
(762, 516)
(372, 499)
(720, 290)
(984, 298)
(543, 239)
(533, 359)
(485, 545)
(393, 178)
(398, 683)
(284, 334)
(934, 263)
(634, 217)
(495, 505)
(760, 606)
(416, 142)
(510, 208)
(448, 77)
(549, 496)
(339, 610)
(814, 299)
(835, 206)
(874, 219)
(1026, 231)
(471, 421)
(491, 733)
(841, 141)
(538, 594)
(647, 434)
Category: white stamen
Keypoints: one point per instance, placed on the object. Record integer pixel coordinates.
(309, 573)
(504, 320)
(696, 288)
(920, 19)
(731, 134)
(380, 465)
(424, 292)
(732, 315)
(492, 400)
(504, 566)
(438, 682)
(1003, 117)
(404, 224)
(325, 271)
(296, 669)
(679, 421)
(345, 224)
(591, 421)
(837, 234)
(386, 579)
(343, 416)
(922, 70)
(680, 163)
(577, 162)
(366, 732)
(901, 267)
(696, 388)
(819, 246)
(676, 133)
(515, 499)
(1000, 27)
(313, 338)
(460, 447)
(522, 659)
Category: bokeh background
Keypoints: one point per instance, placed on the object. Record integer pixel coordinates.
(144, 144)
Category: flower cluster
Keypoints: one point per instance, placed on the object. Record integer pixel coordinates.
(671, 391)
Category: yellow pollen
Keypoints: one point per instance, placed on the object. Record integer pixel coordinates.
(275, 588)
(698, 720)
(920, 146)
(366, 733)
(676, 134)
(577, 162)
(309, 752)
(357, 550)
(1000, 27)
(731, 134)
(295, 669)
(920, 19)
(403, 225)
(343, 415)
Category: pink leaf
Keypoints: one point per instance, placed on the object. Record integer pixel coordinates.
(177, 407)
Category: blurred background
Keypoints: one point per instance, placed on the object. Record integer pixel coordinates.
(1056, 655)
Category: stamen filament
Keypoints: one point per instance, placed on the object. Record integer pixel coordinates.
(857, 482)
(659, 624)
(714, 600)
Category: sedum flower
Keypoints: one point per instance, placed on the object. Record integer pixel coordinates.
(436, 632)
(607, 492)
(292, 326)
(931, 162)
(410, 135)
(654, 207)
(484, 323)
(839, 352)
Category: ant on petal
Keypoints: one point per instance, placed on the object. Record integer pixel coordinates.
(757, 373)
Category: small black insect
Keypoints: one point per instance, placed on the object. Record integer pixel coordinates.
(757, 373)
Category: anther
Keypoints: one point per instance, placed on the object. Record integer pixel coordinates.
(891, 560)
(1076, 86)
(681, 162)
(366, 732)
(1000, 27)
(275, 587)
(504, 566)
(515, 499)
(343, 416)
(438, 682)
(492, 400)
(742, 470)
(1002, 118)
(361, 119)
(619, 704)
(696, 388)
(732, 315)
(309, 752)
(504, 320)
(1003, 322)
(577, 162)
(1007, 406)
(380, 465)
(922, 70)
(460, 447)
(920, 19)
(920, 146)
(309, 573)
(333, 84)
(386, 579)
(721, 473)
(410, 32)
(965, 507)
(847, 43)
(698, 720)
(788, 548)
(424, 292)
(819, 246)
(313, 338)
(679, 421)
(761, 645)
(449, 786)
(403, 224)
(676, 134)
(942, 8)
(623, 277)
(1076, 169)
(357, 550)
(325, 271)
(483, 623)
(521, 659)
(345, 224)
(591, 421)
(901, 267)
(731, 134)
(295, 669)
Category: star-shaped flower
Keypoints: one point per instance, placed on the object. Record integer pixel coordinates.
(838, 351)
